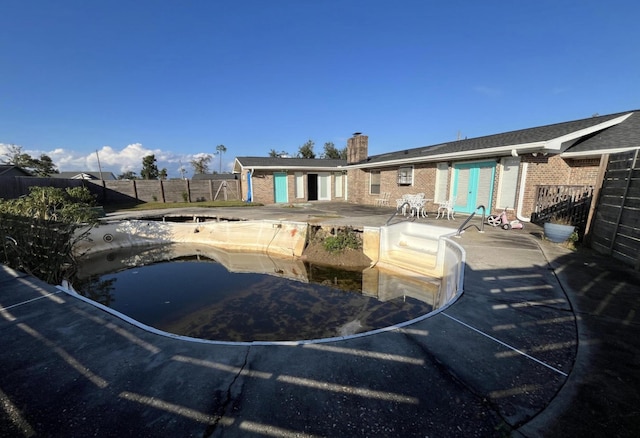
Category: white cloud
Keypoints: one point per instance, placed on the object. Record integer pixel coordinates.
(4, 150)
(115, 160)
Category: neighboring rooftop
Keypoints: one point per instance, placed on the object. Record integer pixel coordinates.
(11, 170)
(84, 174)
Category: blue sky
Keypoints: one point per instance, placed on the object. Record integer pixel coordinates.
(177, 78)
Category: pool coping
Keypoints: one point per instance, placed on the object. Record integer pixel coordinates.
(131, 241)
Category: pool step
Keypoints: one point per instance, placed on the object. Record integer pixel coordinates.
(418, 243)
(410, 258)
(414, 247)
(421, 287)
(413, 252)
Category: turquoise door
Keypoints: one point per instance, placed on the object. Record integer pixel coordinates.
(473, 186)
(280, 187)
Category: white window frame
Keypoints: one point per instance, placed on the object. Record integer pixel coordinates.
(371, 185)
(405, 176)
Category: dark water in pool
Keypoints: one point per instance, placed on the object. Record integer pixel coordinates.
(199, 297)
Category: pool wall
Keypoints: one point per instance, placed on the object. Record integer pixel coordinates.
(271, 237)
(288, 238)
(419, 250)
(452, 279)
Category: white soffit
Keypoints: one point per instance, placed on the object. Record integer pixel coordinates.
(556, 143)
(595, 153)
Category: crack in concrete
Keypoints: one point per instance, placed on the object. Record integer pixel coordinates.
(222, 409)
(446, 371)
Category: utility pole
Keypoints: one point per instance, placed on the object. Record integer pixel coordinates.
(220, 150)
(99, 167)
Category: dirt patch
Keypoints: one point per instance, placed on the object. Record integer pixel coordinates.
(316, 253)
(351, 258)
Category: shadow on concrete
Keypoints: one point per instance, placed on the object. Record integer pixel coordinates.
(542, 343)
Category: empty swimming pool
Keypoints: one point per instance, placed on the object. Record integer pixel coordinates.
(206, 293)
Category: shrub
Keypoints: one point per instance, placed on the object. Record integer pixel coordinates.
(345, 238)
(38, 231)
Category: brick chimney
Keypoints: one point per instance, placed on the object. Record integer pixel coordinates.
(357, 148)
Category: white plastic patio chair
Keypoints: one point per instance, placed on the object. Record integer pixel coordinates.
(383, 201)
(446, 208)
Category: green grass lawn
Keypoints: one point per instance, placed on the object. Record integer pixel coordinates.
(163, 205)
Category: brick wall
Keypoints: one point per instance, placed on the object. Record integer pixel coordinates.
(357, 148)
(424, 181)
(357, 186)
(584, 172)
(552, 169)
(262, 187)
(263, 190)
(542, 170)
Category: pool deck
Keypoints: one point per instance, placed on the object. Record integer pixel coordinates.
(543, 342)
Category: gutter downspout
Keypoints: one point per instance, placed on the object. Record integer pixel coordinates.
(249, 186)
(523, 179)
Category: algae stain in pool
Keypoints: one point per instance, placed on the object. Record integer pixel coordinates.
(202, 299)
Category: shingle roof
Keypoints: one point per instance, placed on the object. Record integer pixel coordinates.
(214, 176)
(289, 162)
(78, 174)
(512, 138)
(6, 168)
(625, 135)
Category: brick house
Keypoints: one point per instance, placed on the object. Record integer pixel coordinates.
(497, 171)
(271, 180)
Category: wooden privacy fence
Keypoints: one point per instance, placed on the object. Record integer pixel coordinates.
(172, 190)
(126, 191)
(12, 187)
(564, 202)
(615, 229)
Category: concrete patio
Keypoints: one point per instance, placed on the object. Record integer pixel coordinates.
(543, 342)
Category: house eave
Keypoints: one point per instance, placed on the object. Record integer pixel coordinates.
(555, 144)
(287, 168)
(275, 168)
(488, 153)
(595, 153)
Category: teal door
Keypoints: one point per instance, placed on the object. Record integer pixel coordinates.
(473, 186)
(280, 187)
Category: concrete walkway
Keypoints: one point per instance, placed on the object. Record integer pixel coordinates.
(543, 342)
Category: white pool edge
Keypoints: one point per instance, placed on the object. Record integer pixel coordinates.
(459, 281)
